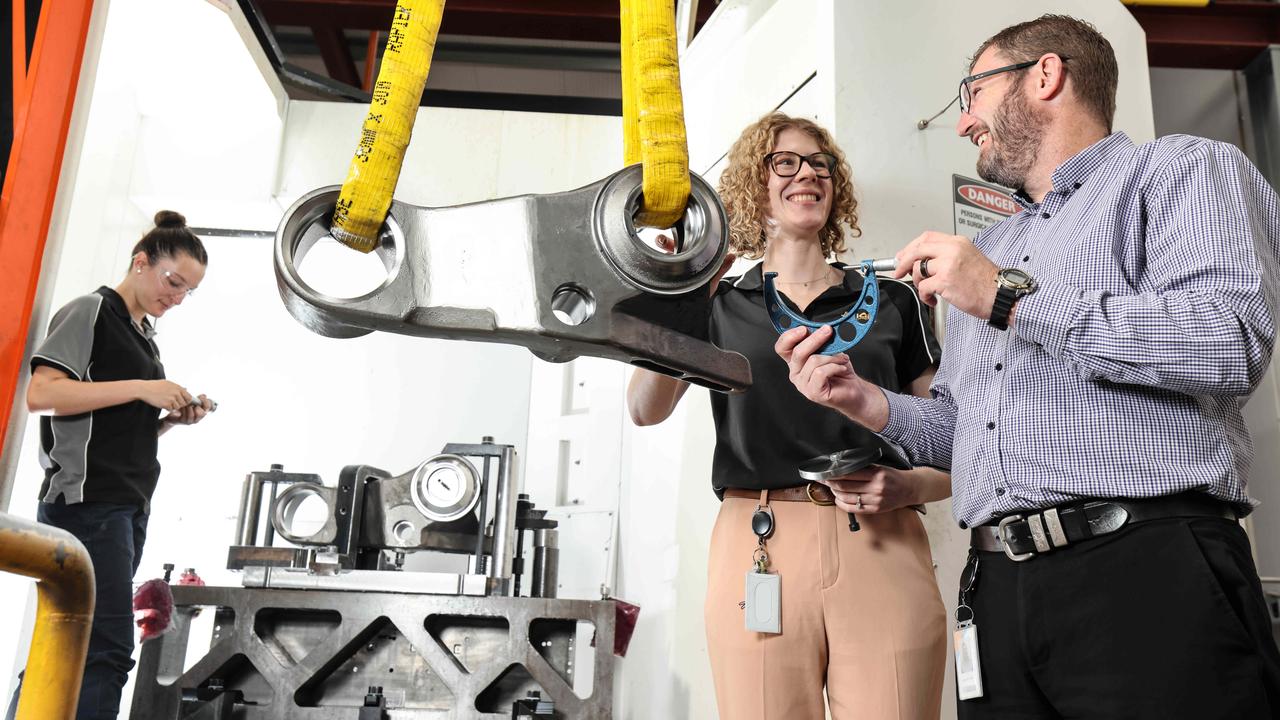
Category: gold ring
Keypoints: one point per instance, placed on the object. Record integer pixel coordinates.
(859, 501)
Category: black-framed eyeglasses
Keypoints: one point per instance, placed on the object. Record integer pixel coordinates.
(966, 95)
(785, 163)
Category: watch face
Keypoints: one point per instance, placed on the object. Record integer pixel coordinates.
(1016, 279)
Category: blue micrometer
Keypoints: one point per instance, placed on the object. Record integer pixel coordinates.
(850, 328)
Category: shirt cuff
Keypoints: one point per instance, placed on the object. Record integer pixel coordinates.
(1045, 316)
(905, 421)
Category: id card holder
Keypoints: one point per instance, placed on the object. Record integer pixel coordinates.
(763, 606)
(968, 663)
(762, 596)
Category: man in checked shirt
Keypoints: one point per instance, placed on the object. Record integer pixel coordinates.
(1101, 345)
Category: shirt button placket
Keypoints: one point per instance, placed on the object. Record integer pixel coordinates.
(992, 440)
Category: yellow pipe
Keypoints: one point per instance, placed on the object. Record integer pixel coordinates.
(375, 169)
(64, 614)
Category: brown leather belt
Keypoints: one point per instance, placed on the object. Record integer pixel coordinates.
(814, 492)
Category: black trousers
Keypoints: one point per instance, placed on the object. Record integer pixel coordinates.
(1159, 620)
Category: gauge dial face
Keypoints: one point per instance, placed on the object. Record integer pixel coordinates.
(446, 488)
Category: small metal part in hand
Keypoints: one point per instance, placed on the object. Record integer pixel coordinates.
(838, 464)
(195, 402)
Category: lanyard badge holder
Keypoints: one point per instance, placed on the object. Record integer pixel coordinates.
(968, 661)
(762, 605)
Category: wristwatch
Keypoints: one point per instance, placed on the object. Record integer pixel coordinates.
(1011, 284)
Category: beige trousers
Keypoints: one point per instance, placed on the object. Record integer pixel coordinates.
(861, 616)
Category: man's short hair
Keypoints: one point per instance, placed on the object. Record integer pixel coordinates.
(1092, 66)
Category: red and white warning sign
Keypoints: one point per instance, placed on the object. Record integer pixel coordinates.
(979, 205)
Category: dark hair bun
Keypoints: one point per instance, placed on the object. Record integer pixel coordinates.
(170, 219)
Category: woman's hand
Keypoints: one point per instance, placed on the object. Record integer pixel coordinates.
(667, 244)
(164, 394)
(651, 396)
(876, 489)
(192, 413)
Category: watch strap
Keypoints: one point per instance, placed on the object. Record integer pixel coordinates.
(1000, 309)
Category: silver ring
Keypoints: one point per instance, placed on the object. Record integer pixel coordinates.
(859, 501)
(924, 268)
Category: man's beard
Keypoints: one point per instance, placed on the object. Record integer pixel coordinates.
(1016, 133)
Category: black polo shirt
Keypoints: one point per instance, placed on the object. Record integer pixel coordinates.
(763, 434)
(107, 455)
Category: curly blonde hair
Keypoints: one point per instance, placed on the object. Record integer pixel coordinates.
(744, 184)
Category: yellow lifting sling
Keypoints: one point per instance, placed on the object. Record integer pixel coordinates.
(652, 109)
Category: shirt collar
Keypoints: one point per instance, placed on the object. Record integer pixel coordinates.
(753, 278)
(1075, 171)
(1072, 173)
(118, 306)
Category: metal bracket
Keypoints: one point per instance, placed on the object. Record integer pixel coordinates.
(849, 328)
(565, 275)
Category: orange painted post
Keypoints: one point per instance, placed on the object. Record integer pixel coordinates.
(19, 64)
(31, 178)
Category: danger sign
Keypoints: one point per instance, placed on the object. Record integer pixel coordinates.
(979, 205)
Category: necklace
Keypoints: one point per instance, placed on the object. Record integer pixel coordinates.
(805, 283)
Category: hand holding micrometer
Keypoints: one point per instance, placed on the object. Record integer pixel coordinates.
(847, 330)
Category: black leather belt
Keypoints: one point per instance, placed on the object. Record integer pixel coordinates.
(1024, 535)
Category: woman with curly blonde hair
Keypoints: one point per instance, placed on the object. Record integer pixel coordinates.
(861, 615)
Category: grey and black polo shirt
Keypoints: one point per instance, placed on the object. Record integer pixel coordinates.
(107, 455)
(763, 434)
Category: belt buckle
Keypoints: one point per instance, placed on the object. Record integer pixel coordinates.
(808, 491)
(1008, 551)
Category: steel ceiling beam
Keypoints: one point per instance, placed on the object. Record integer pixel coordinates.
(591, 20)
(1226, 35)
(336, 54)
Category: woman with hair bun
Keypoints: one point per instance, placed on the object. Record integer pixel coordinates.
(97, 382)
(861, 615)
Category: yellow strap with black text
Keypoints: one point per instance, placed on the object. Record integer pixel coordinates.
(375, 169)
(652, 108)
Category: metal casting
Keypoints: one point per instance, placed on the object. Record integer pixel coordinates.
(565, 275)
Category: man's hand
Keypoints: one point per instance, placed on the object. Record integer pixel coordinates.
(958, 273)
(829, 380)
